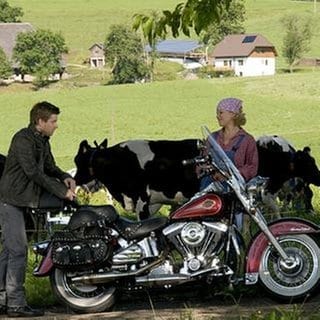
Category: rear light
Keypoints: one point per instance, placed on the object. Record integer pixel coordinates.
(41, 248)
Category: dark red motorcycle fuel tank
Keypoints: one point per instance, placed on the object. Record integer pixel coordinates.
(206, 206)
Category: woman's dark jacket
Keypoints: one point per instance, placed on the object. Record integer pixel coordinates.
(29, 169)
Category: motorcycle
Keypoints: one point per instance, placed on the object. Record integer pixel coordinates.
(100, 254)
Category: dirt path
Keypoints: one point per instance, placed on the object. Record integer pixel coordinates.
(161, 306)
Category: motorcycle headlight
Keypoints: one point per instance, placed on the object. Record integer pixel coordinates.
(257, 185)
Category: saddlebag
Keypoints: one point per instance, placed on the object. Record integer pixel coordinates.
(70, 251)
(87, 240)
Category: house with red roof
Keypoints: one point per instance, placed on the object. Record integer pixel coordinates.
(245, 54)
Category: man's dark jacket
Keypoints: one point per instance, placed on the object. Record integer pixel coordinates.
(29, 169)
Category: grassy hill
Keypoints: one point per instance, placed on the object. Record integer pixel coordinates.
(286, 104)
(266, 16)
(83, 22)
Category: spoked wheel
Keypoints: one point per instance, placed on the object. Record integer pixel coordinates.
(295, 278)
(83, 298)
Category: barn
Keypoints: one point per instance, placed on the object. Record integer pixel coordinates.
(189, 53)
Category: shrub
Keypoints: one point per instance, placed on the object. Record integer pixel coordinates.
(211, 72)
(5, 67)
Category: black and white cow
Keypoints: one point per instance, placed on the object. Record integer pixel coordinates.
(140, 174)
(290, 171)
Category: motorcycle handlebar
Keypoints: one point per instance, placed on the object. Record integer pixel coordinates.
(196, 160)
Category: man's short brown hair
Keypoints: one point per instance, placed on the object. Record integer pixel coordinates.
(42, 110)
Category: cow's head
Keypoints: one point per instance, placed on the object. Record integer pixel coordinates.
(83, 161)
(305, 166)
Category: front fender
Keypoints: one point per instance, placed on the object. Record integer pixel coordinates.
(279, 227)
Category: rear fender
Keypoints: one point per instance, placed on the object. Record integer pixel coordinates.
(279, 227)
(45, 267)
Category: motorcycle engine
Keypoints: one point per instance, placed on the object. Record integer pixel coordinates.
(131, 254)
(192, 234)
(197, 242)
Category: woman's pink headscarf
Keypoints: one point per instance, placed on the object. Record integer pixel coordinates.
(230, 104)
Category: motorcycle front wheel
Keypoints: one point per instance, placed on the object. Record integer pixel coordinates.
(81, 298)
(294, 279)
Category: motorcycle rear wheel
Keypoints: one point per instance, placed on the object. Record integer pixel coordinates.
(291, 281)
(84, 298)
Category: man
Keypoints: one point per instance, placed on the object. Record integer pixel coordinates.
(29, 171)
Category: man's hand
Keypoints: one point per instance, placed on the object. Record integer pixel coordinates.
(70, 183)
(70, 195)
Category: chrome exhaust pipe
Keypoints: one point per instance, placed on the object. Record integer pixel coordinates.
(101, 277)
(112, 276)
(159, 280)
(163, 279)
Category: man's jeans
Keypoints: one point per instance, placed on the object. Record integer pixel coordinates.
(13, 257)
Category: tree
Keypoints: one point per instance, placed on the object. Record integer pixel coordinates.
(191, 14)
(124, 53)
(5, 67)
(129, 70)
(149, 26)
(231, 22)
(9, 14)
(39, 53)
(297, 39)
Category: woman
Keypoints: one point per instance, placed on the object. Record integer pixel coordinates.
(238, 145)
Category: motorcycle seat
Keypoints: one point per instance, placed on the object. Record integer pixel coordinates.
(131, 230)
(92, 215)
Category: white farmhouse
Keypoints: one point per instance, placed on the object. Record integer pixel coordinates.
(246, 54)
(97, 58)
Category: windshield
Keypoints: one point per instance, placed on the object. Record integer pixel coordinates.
(221, 160)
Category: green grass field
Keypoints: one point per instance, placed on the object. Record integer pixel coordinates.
(286, 104)
(265, 18)
(84, 22)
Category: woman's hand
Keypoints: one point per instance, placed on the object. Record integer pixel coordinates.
(218, 176)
